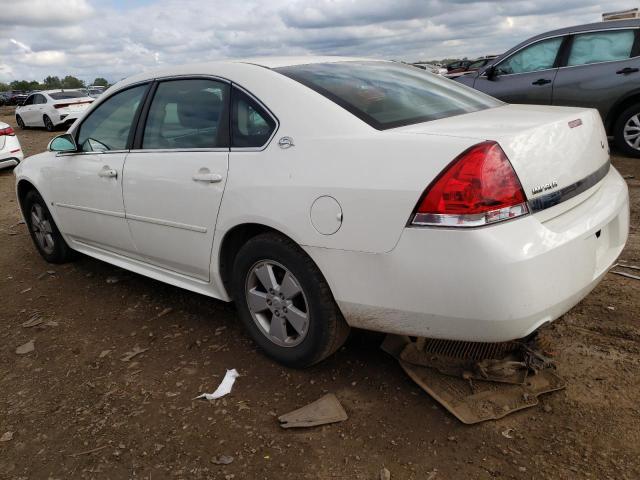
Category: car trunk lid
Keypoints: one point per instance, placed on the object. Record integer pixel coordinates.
(558, 153)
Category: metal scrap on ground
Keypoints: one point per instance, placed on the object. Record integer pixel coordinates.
(326, 409)
(476, 381)
(625, 274)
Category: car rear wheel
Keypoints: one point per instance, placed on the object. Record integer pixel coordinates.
(627, 131)
(285, 302)
(20, 122)
(43, 230)
(48, 124)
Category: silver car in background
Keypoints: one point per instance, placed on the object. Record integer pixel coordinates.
(595, 65)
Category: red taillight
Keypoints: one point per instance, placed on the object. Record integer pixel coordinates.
(7, 131)
(477, 188)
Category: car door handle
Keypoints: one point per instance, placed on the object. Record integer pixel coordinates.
(207, 177)
(541, 81)
(627, 70)
(108, 172)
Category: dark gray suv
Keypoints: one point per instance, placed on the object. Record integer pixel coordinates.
(595, 65)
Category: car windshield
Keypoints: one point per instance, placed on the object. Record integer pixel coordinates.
(67, 95)
(387, 94)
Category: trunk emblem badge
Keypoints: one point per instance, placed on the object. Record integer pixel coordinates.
(544, 188)
(575, 123)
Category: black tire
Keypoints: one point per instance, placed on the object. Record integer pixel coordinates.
(20, 122)
(618, 131)
(326, 328)
(59, 251)
(48, 124)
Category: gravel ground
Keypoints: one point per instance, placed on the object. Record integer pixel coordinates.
(74, 408)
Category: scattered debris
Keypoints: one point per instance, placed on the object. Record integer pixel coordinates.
(26, 290)
(87, 452)
(133, 353)
(626, 177)
(326, 409)
(222, 460)
(112, 280)
(6, 437)
(164, 312)
(104, 353)
(34, 321)
(224, 388)
(26, 348)
(385, 474)
(508, 433)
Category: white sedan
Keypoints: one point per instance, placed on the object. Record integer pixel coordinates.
(52, 108)
(323, 193)
(10, 149)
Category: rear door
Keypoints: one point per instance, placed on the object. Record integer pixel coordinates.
(175, 176)
(600, 68)
(39, 105)
(526, 76)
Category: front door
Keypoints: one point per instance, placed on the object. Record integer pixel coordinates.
(527, 76)
(175, 177)
(87, 184)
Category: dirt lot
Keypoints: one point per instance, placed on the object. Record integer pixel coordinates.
(77, 410)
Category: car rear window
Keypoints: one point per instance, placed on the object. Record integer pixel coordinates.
(66, 95)
(388, 94)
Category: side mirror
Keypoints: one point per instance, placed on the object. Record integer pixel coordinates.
(491, 73)
(62, 143)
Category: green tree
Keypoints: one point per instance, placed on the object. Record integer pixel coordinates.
(4, 87)
(101, 81)
(72, 82)
(51, 83)
(24, 85)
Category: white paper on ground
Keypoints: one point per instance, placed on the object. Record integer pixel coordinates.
(224, 387)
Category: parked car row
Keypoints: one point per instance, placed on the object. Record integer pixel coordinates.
(595, 65)
(12, 97)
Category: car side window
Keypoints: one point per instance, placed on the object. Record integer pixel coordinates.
(188, 114)
(29, 100)
(539, 56)
(108, 126)
(251, 125)
(598, 47)
(40, 100)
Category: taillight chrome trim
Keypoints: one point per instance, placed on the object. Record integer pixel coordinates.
(471, 220)
(566, 193)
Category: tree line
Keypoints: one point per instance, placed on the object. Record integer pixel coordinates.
(50, 83)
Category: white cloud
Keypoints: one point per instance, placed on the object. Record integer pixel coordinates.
(87, 40)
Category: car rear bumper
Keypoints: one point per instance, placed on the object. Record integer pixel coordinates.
(489, 284)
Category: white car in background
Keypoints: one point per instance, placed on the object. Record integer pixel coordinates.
(10, 149)
(322, 193)
(52, 108)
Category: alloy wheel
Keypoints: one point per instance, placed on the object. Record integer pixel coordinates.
(632, 132)
(277, 303)
(42, 230)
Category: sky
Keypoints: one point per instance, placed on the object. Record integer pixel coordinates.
(117, 38)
